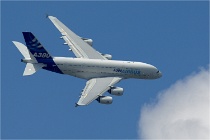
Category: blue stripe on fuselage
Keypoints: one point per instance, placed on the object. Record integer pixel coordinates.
(50, 65)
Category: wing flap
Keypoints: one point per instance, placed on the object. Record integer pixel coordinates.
(96, 87)
(78, 53)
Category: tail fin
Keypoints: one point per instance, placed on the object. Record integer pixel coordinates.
(29, 54)
(35, 47)
(35, 55)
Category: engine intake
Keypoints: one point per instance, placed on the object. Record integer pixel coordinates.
(118, 91)
(104, 99)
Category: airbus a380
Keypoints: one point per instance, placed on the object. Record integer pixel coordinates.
(98, 69)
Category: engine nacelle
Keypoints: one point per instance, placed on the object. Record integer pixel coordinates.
(104, 99)
(108, 56)
(88, 41)
(118, 91)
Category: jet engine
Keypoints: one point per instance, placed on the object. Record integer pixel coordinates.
(108, 56)
(104, 99)
(88, 41)
(118, 91)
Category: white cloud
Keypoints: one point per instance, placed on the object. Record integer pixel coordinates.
(180, 112)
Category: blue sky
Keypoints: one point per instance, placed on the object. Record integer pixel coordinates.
(173, 36)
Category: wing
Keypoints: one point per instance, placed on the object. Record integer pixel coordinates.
(96, 87)
(79, 47)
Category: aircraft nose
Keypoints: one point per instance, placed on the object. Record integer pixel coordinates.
(155, 72)
(160, 74)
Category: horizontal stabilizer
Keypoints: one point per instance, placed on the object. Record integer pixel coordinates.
(22, 48)
(32, 68)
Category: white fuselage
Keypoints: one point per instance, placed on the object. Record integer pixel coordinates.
(95, 68)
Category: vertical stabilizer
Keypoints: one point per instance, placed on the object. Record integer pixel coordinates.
(35, 55)
(35, 47)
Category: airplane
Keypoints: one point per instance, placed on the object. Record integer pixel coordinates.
(100, 71)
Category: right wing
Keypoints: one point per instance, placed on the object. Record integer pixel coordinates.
(79, 47)
(96, 87)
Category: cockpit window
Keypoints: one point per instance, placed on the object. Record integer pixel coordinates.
(158, 71)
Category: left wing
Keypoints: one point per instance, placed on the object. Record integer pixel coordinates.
(79, 47)
(96, 87)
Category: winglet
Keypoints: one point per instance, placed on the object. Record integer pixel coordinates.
(76, 105)
(47, 15)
